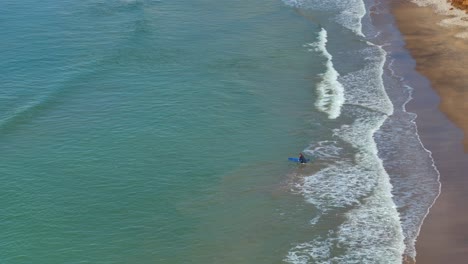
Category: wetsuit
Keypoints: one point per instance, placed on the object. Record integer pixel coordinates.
(302, 159)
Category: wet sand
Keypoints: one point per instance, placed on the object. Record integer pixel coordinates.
(442, 64)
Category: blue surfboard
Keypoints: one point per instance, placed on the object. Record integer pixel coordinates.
(296, 159)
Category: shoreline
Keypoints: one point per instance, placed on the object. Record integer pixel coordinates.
(440, 101)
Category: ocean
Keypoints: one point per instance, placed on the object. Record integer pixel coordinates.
(147, 131)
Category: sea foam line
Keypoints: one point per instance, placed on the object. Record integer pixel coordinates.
(409, 163)
(361, 188)
(371, 231)
(330, 91)
(365, 87)
(350, 13)
(411, 244)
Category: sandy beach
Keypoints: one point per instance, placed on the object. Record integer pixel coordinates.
(441, 102)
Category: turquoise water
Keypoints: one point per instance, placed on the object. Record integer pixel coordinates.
(123, 120)
(142, 131)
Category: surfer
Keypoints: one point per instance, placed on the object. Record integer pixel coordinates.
(302, 159)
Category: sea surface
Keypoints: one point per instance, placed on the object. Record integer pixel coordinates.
(144, 131)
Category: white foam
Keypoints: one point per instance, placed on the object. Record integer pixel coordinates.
(314, 220)
(376, 227)
(365, 87)
(412, 238)
(415, 177)
(325, 150)
(371, 232)
(373, 229)
(317, 250)
(360, 187)
(351, 15)
(346, 182)
(293, 3)
(311, 4)
(350, 12)
(330, 91)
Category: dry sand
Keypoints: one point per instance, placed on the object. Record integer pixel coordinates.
(443, 125)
